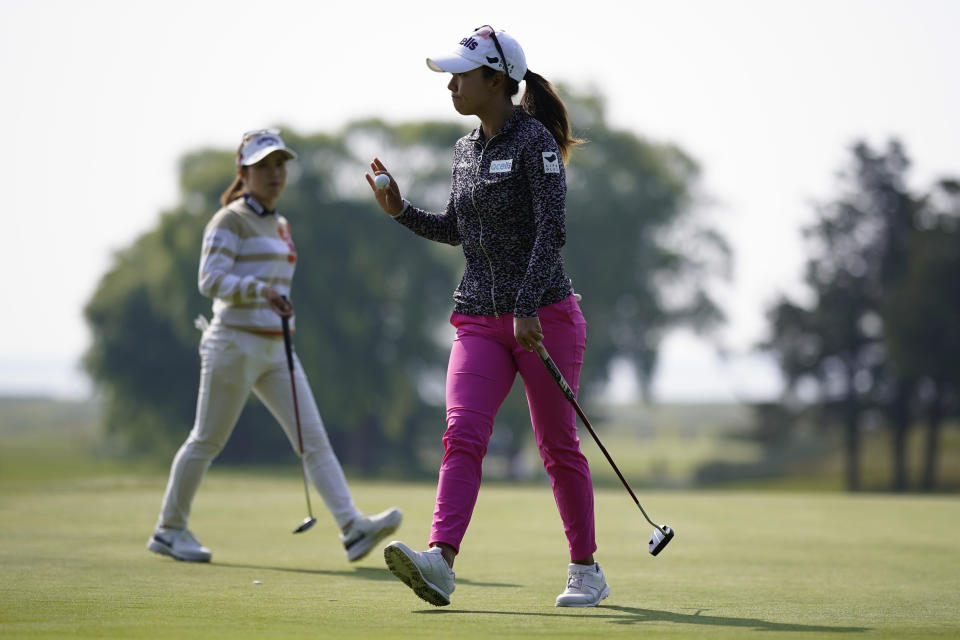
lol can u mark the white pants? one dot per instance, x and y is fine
(232, 363)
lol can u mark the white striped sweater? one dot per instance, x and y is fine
(242, 254)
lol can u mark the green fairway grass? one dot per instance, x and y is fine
(742, 565)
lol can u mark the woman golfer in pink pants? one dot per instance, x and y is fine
(506, 209)
(247, 266)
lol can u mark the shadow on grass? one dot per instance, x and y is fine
(363, 573)
(632, 615)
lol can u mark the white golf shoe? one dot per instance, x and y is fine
(586, 586)
(179, 544)
(426, 572)
(367, 531)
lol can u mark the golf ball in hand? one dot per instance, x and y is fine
(382, 181)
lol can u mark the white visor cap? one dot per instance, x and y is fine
(260, 145)
(479, 50)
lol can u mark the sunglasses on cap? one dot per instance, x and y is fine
(273, 131)
(486, 31)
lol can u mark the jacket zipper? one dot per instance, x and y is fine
(473, 188)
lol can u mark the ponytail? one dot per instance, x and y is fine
(233, 192)
(541, 101)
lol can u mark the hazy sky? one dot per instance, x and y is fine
(101, 98)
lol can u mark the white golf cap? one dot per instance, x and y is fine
(479, 49)
(260, 144)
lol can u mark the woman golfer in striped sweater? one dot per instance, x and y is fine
(246, 266)
(506, 209)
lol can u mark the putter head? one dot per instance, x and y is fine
(659, 539)
(306, 524)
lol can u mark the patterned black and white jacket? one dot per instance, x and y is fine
(506, 209)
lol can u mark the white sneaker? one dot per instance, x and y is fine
(366, 532)
(179, 544)
(426, 572)
(586, 586)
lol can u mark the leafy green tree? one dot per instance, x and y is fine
(829, 347)
(890, 212)
(637, 249)
(366, 317)
(863, 247)
(143, 355)
(922, 317)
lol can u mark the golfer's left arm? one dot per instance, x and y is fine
(548, 189)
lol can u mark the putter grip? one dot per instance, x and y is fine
(287, 343)
(555, 372)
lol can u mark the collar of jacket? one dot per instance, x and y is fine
(256, 207)
(518, 114)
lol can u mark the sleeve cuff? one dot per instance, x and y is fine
(406, 205)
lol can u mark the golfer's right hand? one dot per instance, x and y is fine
(389, 199)
(279, 303)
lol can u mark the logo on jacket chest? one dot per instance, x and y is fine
(501, 166)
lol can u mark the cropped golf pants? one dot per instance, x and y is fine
(233, 363)
(484, 361)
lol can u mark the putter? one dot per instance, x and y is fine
(309, 521)
(662, 534)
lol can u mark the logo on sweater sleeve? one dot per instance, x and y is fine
(283, 230)
(551, 162)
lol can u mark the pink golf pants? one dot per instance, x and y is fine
(484, 361)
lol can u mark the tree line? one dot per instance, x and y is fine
(878, 341)
(373, 300)
(874, 340)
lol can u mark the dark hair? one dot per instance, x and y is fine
(541, 101)
(235, 190)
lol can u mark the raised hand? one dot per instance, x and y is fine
(389, 197)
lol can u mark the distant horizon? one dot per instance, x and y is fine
(42, 397)
(702, 379)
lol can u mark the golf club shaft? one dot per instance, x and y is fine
(288, 346)
(568, 392)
